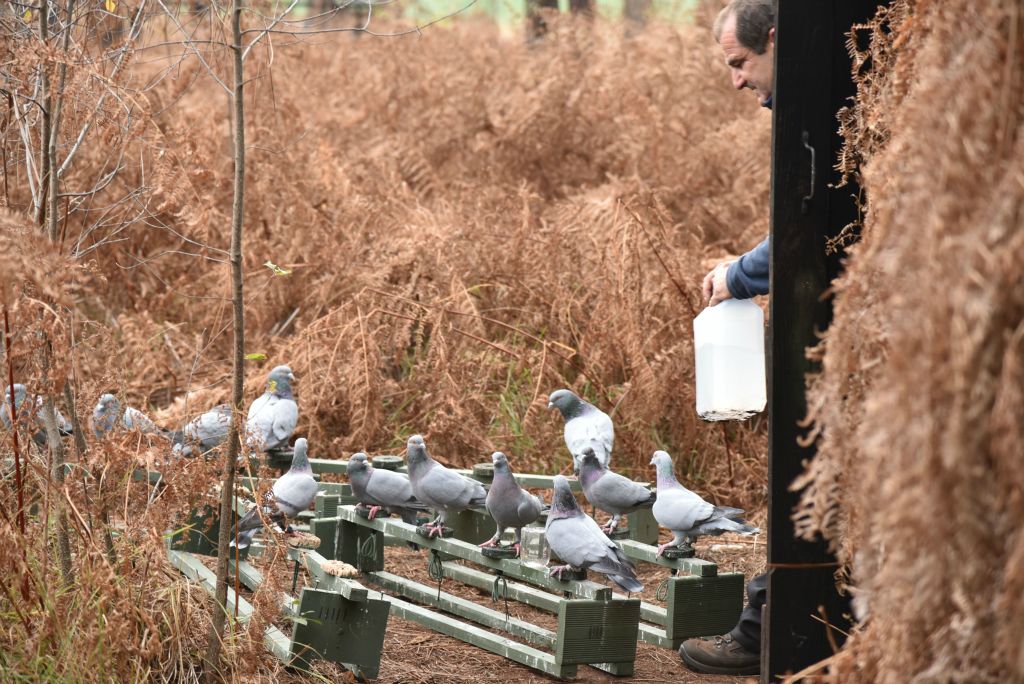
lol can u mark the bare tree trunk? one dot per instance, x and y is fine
(47, 214)
(57, 473)
(220, 608)
(536, 24)
(44, 136)
(54, 107)
(635, 13)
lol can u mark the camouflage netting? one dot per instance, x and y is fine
(918, 482)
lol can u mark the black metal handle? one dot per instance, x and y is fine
(814, 172)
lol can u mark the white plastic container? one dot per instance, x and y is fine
(728, 340)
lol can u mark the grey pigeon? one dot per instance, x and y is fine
(687, 515)
(576, 539)
(291, 494)
(509, 504)
(204, 432)
(273, 416)
(586, 427)
(382, 489)
(438, 487)
(20, 394)
(107, 417)
(611, 492)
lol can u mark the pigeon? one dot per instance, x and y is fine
(586, 427)
(20, 393)
(440, 488)
(382, 489)
(575, 538)
(204, 432)
(273, 416)
(687, 515)
(291, 494)
(509, 504)
(611, 492)
(107, 416)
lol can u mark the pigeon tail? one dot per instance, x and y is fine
(720, 525)
(729, 512)
(630, 584)
(244, 539)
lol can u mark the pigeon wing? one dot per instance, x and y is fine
(390, 489)
(294, 492)
(616, 494)
(286, 417)
(681, 509)
(443, 488)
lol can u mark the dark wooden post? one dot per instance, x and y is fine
(812, 81)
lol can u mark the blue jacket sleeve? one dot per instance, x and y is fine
(748, 275)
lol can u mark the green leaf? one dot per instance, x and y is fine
(277, 270)
(256, 356)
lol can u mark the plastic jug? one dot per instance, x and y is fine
(728, 341)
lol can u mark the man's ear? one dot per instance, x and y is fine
(771, 37)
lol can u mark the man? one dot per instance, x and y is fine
(745, 30)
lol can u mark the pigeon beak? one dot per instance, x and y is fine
(550, 405)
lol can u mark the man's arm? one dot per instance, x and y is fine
(742, 279)
(748, 275)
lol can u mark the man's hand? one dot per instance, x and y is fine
(715, 288)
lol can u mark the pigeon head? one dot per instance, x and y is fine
(662, 463)
(299, 459)
(19, 394)
(108, 403)
(280, 381)
(500, 462)
(567, 403)
(19, 398)
(106, 412)
(357, 464)
(416, 451)
(563, 503)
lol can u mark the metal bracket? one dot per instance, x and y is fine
(806, 137)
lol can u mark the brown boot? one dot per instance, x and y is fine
(719, 655)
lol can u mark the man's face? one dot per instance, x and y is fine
(747, 68)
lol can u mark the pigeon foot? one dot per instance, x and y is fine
(557, 570)
(493, 541)
(374, 510)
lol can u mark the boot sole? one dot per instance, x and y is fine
(704, 668)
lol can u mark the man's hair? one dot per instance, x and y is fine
(754, 19)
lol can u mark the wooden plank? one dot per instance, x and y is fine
(523, 593)
(471, 634)
(471, 552)
(649, 554)
(537, 598)
(463, 608)
(314, 562)
(190, 566)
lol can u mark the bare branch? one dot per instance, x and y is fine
(133, 33)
